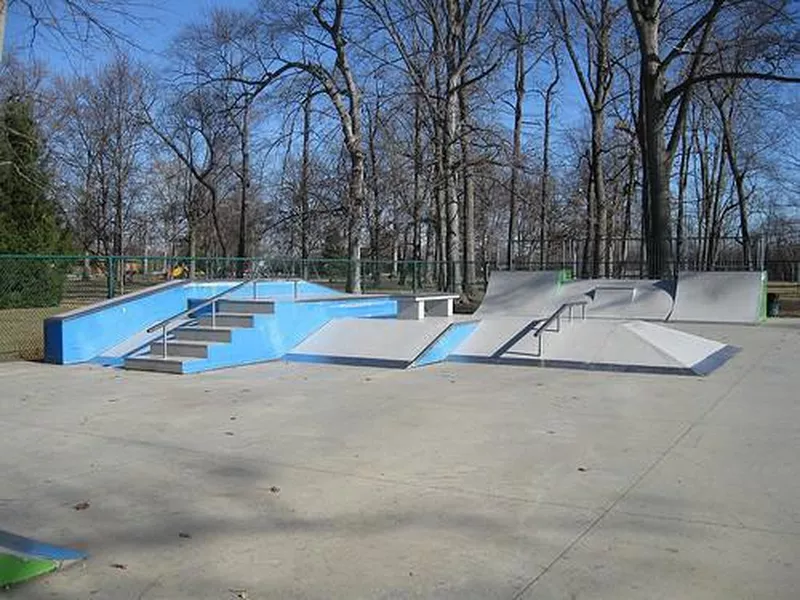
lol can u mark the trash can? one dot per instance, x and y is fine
(773, 305)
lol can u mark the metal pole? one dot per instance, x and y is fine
(295, 290)
(213, 314)
(164, 341)
(110, 267)
(255, 293)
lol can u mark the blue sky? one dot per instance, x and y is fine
(157, 23)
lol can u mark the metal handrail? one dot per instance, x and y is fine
(556, 316)
(212, 301)
(538, 327)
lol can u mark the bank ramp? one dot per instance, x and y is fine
(721, 297)
(388, 343)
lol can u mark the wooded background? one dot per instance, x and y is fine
(424, 130)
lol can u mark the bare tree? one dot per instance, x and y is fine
(545, 184)
(100, 141)
(693, 26)
(522, 24)
(592, 21)
(75, 22)
(192, 129)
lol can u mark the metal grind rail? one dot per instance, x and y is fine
(538, 327)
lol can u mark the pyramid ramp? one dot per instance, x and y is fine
(597, 344)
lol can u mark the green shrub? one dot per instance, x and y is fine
(28, 283)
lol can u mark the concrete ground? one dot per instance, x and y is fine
(453, 481)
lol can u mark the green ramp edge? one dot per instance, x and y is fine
(14, 569)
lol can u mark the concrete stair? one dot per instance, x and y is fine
(246, 307)
(181, 348)
(197, 333)
(227, 320)
(193, 342)
(155, 363)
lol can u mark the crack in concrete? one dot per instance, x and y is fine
(589, 528)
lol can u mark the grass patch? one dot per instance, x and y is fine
(21, 333)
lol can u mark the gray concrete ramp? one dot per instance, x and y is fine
(720, 297)
(519, 293)
(389, 343)
(597, 344)
(539, 293)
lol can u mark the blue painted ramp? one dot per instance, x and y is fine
(27, 547)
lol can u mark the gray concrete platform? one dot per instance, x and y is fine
(392, 343)
(456, 481)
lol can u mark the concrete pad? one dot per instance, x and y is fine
(632, 557)
(691, 485)
(320, 535)
(455, 481)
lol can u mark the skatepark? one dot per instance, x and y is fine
(528, 318)
(571, 439)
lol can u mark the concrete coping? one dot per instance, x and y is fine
(125, 298)
(340, 298)
(426, 297)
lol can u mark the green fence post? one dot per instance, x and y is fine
(110, 266)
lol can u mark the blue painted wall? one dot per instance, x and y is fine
(446, 344)
(84, 334)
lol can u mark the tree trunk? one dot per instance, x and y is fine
(587, 246)
(652, 122)
(440, 198)
(628, 190)
(376, 200)
(716, 214)
(453, 216)
(417, 208)
(305, 175)
(598, 212)
(354, 214)
(241, 249)
(516, 159)
(741, 194)
(544, 204)
(682, 182)
(469, 197)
